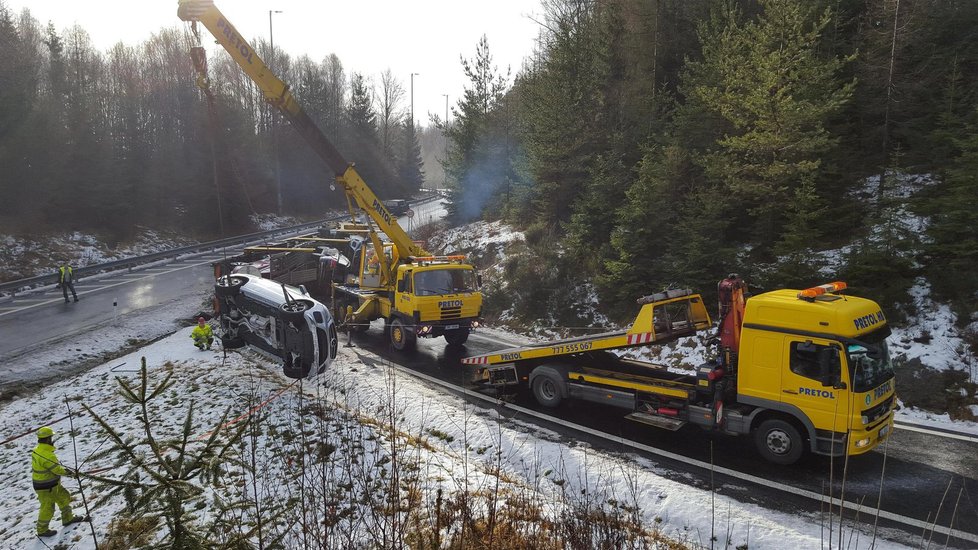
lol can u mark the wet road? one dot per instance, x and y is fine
(924, 476)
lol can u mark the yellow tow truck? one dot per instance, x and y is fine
(799, 370)
(417, 293)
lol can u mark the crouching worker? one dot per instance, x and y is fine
(46, 473)
(202, 334)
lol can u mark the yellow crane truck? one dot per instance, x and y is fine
(799, 370)
(395, 279)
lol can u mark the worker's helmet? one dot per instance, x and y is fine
(45, 432)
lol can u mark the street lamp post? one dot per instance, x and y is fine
(278, 172)
(412, 97)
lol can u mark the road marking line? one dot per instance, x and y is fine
(126, 282)
(940, 433)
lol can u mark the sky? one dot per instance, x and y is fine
(369, 36)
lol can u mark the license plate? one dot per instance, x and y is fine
(451, 327)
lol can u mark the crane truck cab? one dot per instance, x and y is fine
(278, 319)
(798, 370)
(431, 296)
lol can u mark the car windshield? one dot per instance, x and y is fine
(869, 363)
(436, 282)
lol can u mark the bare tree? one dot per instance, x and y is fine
(391, 95)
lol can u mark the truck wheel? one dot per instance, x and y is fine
(229, 285)
(402, 338)
(457, 337)
(547, 389)
(779, 441)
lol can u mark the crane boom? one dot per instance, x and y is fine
(277, 93)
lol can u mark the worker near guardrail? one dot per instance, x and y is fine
(46, 472)
(66, 281)
(203, 335)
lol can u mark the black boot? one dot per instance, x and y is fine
(76, 519)
(48, 533)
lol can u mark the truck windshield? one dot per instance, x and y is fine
(436, 282)
(869, 362)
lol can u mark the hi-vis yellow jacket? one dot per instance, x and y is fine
(46, 471)
(201, 333)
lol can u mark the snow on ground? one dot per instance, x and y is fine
(464, 445)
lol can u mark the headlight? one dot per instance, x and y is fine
(863, 442)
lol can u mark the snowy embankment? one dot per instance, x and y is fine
(445, 447)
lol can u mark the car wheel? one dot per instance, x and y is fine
(232, 343)
(229, 285)
(294, 311)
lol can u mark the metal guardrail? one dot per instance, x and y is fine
(11, 287)
(129, 263)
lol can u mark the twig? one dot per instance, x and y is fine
(81, 489)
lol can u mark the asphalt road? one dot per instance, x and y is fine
(925, 476)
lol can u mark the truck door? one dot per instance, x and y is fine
(404, 297)
(814, 382)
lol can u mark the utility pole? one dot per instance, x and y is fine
(271, 120)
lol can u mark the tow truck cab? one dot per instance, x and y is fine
(823, 360)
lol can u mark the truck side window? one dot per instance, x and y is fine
(804, 360)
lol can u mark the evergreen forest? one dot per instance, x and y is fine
(667, 143)
(643, 144)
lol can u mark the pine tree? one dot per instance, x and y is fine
(168, 480)
(952, 254)
(767, 79)
(473, 164)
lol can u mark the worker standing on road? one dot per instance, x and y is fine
(203, 335)
(46, 474)
(66, 281)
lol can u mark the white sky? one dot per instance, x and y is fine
(369, 36)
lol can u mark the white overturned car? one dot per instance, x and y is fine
(280, 319)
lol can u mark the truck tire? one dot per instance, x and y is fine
(778, 441)
(401, 337)
(457, 337)
(548, 389)
(229, 285)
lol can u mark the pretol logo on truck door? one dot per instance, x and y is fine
(816, 393)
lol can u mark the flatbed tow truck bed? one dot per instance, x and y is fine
(663, 317)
